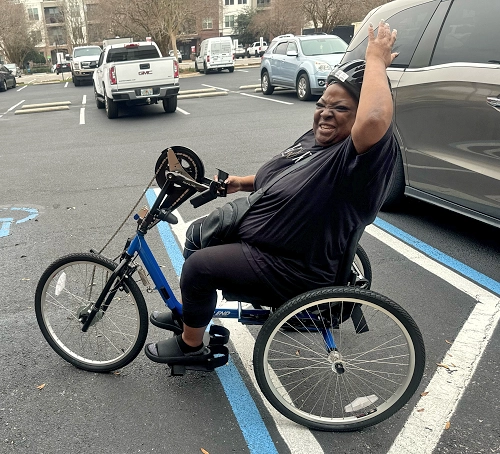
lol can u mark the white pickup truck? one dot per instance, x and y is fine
(135, 73)
(256, 50)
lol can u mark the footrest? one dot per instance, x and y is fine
(218, 335)
(218, 358)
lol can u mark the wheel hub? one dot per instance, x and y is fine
(335, 358)
(83, 312)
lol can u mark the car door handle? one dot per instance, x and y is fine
(494, 102)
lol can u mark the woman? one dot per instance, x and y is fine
(293, 239)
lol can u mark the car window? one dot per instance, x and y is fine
(281, 48)
(463, 37)
(292, 47)
(410, 24)
(323, 46)
(86, 51)
(132, 53)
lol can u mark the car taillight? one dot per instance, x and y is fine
(176, 69)
(112, 75)
(208, 58)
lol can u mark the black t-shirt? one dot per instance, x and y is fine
(295, 235)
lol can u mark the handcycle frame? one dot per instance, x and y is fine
(138, 245)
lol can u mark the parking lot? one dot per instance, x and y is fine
(69, 179)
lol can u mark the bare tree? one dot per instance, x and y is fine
(162, 20)
(283, 16)
(74, 19)
(16, 36)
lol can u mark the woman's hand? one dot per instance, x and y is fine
(235, 183)
(380, 46)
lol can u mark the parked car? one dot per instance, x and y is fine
(63, 67)
(83, 63)
(215, 54)
(16, 70)
(446, 84)
(240, 51)
(132, 74)
(256, 50)
(300, 62)
(179, 55)
(7, 79)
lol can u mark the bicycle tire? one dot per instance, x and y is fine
(67, 288)
(346, 389)
(362, 261)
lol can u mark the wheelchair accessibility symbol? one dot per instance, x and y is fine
(7, 222)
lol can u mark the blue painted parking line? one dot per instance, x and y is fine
(244, 408)
(464, 270)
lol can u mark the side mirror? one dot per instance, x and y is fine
(292, 53)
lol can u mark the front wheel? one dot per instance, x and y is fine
(231, 69)
(265, 84)
(339, 358)
(303, 88)
(66, 291)
(170, 104)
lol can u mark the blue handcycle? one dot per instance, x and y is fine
(339, 358)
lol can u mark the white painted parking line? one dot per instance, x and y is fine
(22, 88)
(267, 99)
(182, 111)
(242, 70)
(299, 439)
(13, 107)
(423, 429)
(66, 84)
(217, 88)
(82, 115)
(84, 100)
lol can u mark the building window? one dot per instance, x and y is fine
(33, 13)
(207, 24)
(263, 2)
(228, 21)
(37, 35)
(229, 2)
(242, 2)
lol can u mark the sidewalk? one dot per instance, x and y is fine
(51, 78)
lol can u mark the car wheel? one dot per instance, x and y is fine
(205, 70)
(219, 70)
(3, 85)
(231, 69)
(303, 88)
(196, 67)
(76, 82)
(396, 189)
(111, 107)
(265, 84)
(14, 83)
(170, 104)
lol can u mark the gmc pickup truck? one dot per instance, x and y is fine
(135, 73)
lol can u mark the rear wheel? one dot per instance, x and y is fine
(205, 70)
(111, 107)
(67, 290)
(196, 67)
(303, 88)
(372, 368)
(265, 83)
(362, 265)
(3, 85)
(231, 69)
(170, 104)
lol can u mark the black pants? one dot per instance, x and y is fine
(225, 268)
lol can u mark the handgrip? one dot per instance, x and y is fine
(203, 198)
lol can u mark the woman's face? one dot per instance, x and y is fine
(334, 116)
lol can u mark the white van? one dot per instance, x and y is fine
(215, 54)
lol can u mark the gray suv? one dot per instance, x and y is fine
(446, 83)
(300, 62)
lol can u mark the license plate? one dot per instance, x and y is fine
(146, 92)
